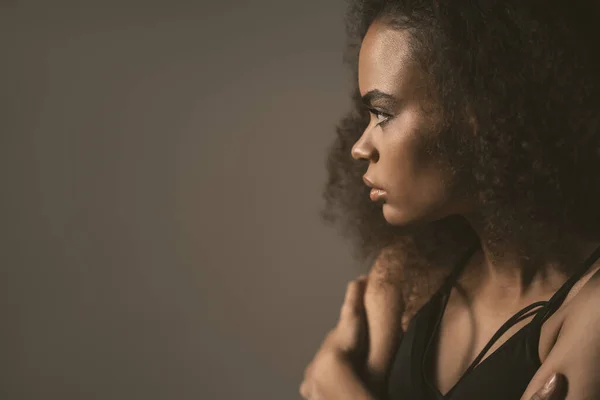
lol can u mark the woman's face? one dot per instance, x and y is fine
(417, 182)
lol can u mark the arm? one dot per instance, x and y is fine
(576, 353)
(332, 375)
(384, 306)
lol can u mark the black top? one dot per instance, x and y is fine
(503, 375)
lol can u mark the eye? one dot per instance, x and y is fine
(380, 116)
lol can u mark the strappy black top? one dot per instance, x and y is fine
(503, 375)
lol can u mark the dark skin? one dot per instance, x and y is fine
(416, 187)
(339, 369)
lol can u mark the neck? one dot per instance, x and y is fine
(510, 273)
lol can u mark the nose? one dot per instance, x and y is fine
(363, 149)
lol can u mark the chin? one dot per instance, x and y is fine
(403, 218)
(396, 217)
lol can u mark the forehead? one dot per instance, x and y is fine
(384, 59)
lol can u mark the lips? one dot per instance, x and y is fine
(377, 192)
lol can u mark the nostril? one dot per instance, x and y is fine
(375, 156)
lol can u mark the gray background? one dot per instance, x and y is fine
(161, 171)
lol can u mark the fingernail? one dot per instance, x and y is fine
(551, 382)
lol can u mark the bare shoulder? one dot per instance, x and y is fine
(583, 304)
(588, 285)
(579, 310)
(576, 349)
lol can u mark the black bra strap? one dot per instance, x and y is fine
(534, 308)
(559, 297)
(527, 311)
(529, 314)
(520, 315)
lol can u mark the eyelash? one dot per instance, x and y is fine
(377, 114)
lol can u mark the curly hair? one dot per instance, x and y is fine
(527, 72)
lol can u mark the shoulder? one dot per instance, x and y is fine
(581, 316)
(576, 350)
(585, 289)
(583, 307)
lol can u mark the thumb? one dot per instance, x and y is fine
(351, 327)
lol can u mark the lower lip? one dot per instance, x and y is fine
(377, 194)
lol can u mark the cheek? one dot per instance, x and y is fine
(416, 182)
(408, 138)
(407, 159)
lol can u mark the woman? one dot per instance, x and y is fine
(476, 132)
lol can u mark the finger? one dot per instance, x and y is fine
(555, 388)
(351, 327)
(384, 306)
(353, 300)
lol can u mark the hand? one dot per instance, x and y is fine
(332, 374)
(555, 388)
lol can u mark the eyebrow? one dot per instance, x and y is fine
(374, 95)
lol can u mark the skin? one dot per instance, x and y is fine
(401, 130)
(420, 187)
(334, 371)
